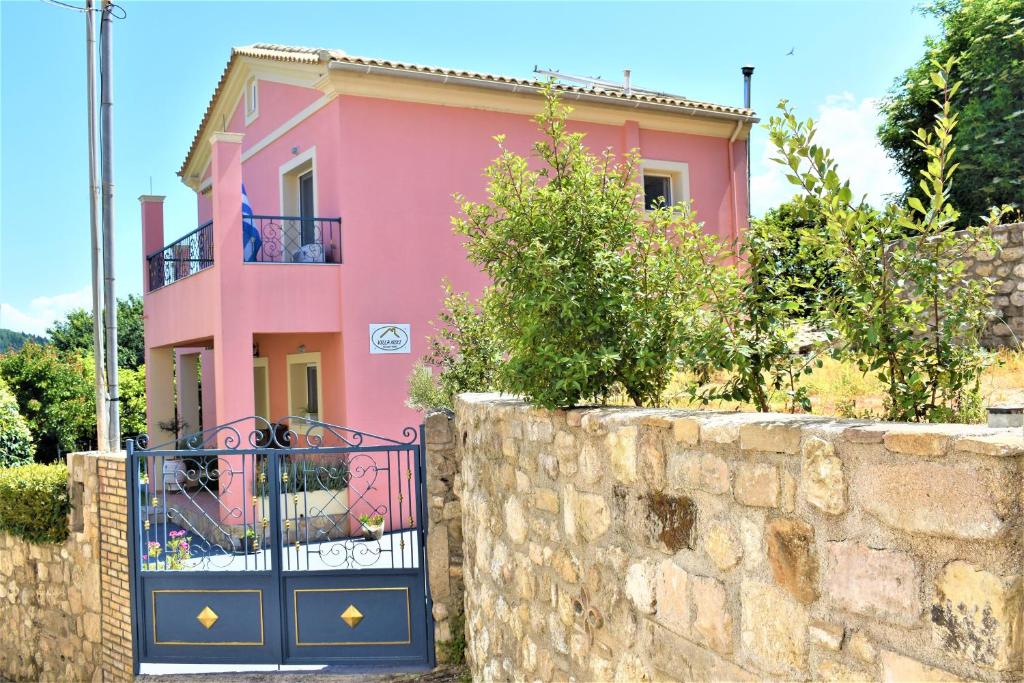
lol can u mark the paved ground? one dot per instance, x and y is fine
(439, 675)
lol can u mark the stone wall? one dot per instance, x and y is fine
(638, 545)
(444, 530)
(55, 609)
(1007, 268)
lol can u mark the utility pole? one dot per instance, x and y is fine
(107, 178)
(102, 407)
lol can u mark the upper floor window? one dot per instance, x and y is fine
(251, 99)
(665, 182)
(657, 190)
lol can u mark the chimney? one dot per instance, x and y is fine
(748, 71)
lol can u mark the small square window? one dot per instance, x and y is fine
(657, 187)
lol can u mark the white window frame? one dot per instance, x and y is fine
(252, 99)
(678, 173)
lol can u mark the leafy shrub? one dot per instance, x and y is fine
(590, 293)
(424, 392)
(745, 326)
(34, 502)
(909, 311)
(464, 350)
(16, 445)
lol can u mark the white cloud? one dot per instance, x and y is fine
(42, 311)
(847, 127)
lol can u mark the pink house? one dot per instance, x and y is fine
(349, 166)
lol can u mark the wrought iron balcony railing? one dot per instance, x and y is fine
(293, 239)
(183, 257)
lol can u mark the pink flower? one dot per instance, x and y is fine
(177, 534)
(184, 546)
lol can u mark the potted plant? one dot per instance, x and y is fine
(373, 526)
(249, 543)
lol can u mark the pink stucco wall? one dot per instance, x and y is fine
(388, 169)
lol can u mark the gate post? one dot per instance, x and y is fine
(115, 570)
(444, 541)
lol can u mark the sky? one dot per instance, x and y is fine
(168, 57)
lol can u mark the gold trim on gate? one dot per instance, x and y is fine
(408, 615)
(258, 591)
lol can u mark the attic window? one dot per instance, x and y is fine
(251, 99)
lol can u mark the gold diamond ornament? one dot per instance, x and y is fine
(351, 616)
(207, 617)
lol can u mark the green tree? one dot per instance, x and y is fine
(74, 333)
(132, 385)
(590, 294)
(54, 391)
(987, 39)
(909, 311)
(16, 445)
(786, 242)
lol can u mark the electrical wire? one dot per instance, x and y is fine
(116, 11)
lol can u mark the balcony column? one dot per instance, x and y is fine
(159, 405)
(232, 338)
(152, 230)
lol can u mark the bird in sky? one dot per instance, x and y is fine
(791, 52)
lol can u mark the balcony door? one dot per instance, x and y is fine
(306, 210)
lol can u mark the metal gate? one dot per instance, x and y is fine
(289, 542)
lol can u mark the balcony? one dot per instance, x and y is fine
(293, 239)
(183, 257)
(266, 239)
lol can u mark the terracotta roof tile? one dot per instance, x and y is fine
(309, 55)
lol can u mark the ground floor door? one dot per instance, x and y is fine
(291, 542)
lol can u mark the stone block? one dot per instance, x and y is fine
(686, 431)
(822, 480)
(640, 586)
(876, 583)
(899, 669)
(757, 485)
(933, 498)
(773, 629)
(515, 520)
(671, 587)
(1006, 444)
(722, 544)
(861, 647)
(925, 440)
(838, 672)
(713, 619)
(622, 449)
(792, 557)
(825, 635)
(777, 437)
(545, 499)
(977, 616)
(677, 659)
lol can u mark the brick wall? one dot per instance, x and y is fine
(444, 538)
(647, 545)
(64, 607)
(114, 568)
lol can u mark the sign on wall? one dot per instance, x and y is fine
(389, 338)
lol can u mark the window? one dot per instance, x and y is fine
(251, 100)
(668, 179)
(657, 190)
(312, 391)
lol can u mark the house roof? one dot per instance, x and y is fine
(309, 55)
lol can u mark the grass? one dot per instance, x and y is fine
(839, 389)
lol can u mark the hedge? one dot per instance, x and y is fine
(34, 502)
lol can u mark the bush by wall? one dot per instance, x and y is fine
(16, 445)
(34, 502)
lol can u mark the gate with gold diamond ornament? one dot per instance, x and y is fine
(293, 542)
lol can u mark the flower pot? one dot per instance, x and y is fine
(372, 532)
